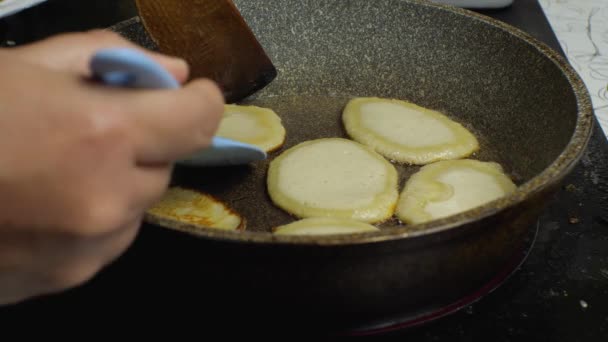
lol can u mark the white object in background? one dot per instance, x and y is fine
(582, 29)
(8, 7)
(476, 3)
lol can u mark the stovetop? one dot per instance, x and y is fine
(560, 293)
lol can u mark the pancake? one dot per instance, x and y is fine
(450, 187)
(181, 206)
(324, 226)
(334, 177)
(405, 132)
(254, 125)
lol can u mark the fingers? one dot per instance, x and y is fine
(168, 125)
(73, 52)
(61, 262)
(85, 259)
(176, 66)
(118, 244)
(172, 124)
(149, 185)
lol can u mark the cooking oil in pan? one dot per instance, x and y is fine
(305, 118)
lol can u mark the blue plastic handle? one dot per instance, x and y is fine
(126, 67)
(123, 67)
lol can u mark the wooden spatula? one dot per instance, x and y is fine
(213, 37)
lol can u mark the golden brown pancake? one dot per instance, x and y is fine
(258, 126)
(334, 177)
(450, 187)
(181, 206)
(324, 226)
(405, 132)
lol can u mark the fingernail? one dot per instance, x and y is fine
(179, 61)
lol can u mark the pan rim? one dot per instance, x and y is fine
(550, 176)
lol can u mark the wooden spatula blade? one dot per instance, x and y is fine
(213, 37)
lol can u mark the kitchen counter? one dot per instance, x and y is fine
(581, 27)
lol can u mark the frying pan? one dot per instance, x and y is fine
(529, 109)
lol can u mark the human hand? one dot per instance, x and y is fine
(80, 162)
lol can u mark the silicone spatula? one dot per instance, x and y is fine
(126, 67)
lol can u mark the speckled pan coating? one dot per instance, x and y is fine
(529, 108)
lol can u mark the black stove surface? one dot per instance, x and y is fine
(560, 293)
